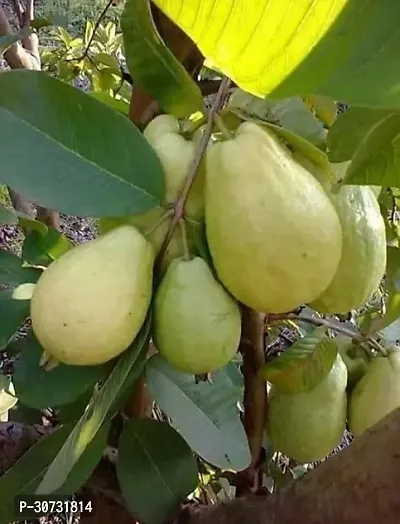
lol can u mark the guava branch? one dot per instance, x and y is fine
(354, 335)
(255, 396)
(179, 208)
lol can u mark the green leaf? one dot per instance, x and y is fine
(86, 463)
(304, 365)
(376, 159)
(12, 271)
(302, 146)
(55, 19)
(156, 470)
(13, 312)
(96, 163)
(284, 48)
(153, 66)
(41, 249)
(114, 103)
(197, 233)
(24, 476)
(290, 113)
(350, 129)
(63, 384)
(393, 268)
(324, 108)
(205, 414)
(108, 60)
(74, 410)
(90, 422)
(8, 216)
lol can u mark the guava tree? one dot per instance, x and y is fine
(235, 321)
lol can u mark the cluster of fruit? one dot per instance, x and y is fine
(281, 233)
(309, 426)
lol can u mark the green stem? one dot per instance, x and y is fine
(168, 213)
(186, 251)
(225, 132)
(331, 325)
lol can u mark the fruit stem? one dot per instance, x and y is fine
(225, 132)
(168, 213)
(179, 208)
(186, 251)
(331, 325)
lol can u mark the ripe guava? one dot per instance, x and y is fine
(88, 306)
(274, 235)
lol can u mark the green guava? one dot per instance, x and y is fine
(197, 324)
(377, 393)
(308, 426)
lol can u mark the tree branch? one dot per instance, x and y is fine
(255, 396)
(179, 208)
(359, 485)
(331, 325)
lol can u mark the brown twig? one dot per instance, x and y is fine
(179, 208)
(255, 396)
(331, 325)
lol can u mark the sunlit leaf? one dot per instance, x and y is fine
(346, 50)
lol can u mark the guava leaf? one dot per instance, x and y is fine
(204, 413)
(377, 157)
(154, 464)
(283, 48)
(42, 248)
(13, 272)
(304, 365)
(91, 421)
(24, 476)
(114, 103)
(290, 113)
(12, 313)
(153, 66)
(8, 216)
(41, 389)
(350, 129)
(325, 108)
(96, 163)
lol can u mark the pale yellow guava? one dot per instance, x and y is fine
(273, 233)
(88, 305)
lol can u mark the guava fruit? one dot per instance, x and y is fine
(197, 324)
(146, 222)
(377, 394)
(356, 361)
(363, 260)
(176, 154)
(88, 305)
(308, 426)
(274, 235)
